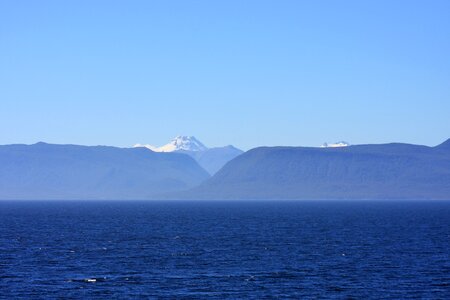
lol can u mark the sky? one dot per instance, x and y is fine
(247, 73)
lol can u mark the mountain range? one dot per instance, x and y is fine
(385, 171)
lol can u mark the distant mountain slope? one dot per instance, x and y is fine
(390, 171)
(211, 159)
(45, 171)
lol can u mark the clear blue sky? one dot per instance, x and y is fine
(247, 73)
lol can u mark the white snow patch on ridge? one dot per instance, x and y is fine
(335, 145)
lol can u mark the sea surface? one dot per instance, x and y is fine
(224, 250)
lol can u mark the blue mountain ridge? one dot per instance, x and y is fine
(385, 171)
(47, 171)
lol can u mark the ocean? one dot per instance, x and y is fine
(224, 249)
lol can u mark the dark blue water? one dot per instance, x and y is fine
(90, 250)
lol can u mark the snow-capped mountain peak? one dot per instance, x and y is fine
(179, 143)
(186, 143)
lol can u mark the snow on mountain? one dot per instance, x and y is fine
(335, 145)
(179, 143)
(210, 159)
(151, 147)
